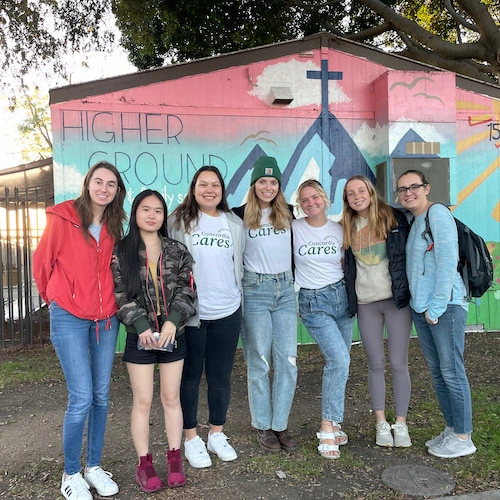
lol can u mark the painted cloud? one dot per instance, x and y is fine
(293, 74)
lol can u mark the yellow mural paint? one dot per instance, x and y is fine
(467, 191)
(496, 212)
(472, 141)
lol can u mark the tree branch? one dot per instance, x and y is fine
(463, 67)
(331, 28)
(370, 32)
(485, 23)
(458, 18)
(473, 50)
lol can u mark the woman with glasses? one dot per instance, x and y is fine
(323, 307)
(439, 312)
(375, 269)
(72, 269)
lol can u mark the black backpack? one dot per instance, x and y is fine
(474, 259)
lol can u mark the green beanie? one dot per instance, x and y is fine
(265, 166)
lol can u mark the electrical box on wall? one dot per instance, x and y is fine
(436, 170)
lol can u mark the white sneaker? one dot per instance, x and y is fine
(196, 453)
(101, 481)
(74, 487)
(217, 443)
(401, 435)
(384, 435)
(439, 439)
(453, 447)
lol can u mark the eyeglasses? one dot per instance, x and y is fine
(413, 188)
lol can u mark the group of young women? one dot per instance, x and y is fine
(185, 286)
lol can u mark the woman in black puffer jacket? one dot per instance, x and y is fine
(375, 272)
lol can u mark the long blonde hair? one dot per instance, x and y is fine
(280, 217)
(381, 219)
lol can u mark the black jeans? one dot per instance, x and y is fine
(212, 345)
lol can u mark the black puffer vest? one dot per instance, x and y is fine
(396, 242)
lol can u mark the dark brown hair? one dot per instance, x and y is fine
(188, 211)
(114, 215)
(425, 182)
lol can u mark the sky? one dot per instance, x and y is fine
(100, 65)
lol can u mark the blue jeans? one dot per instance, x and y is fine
(213, 346)
(325, 314)
(443, 348)
(270, 327)
(87, 369)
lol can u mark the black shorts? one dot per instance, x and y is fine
(134, 355)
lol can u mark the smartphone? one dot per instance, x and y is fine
(168, 348)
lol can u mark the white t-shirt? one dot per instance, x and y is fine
(218, 292)
(267, 250)
(317, 254)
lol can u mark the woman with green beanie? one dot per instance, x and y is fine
(269, 333)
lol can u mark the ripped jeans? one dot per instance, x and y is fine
(270, 333)
(325, 314)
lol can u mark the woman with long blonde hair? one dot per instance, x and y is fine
(269, 333)
(374, 241)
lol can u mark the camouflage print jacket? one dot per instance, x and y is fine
(175, 286)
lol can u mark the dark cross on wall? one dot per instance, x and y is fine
(324, 75)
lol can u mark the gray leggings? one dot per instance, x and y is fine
(371, 319)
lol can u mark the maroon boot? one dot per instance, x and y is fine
(145, 475)
(175, 470)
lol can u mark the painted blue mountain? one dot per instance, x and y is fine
(400, 149)
(341, 159)
(336, 155)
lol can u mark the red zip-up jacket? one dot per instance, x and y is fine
(73, 271)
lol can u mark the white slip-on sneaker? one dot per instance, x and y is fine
(439, 439)
(453, 447)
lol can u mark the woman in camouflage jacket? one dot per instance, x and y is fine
(155, 293)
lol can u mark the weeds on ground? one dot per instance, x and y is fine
(29, 365)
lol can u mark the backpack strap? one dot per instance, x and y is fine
(427, 230)
(464, 273)
(465, 267)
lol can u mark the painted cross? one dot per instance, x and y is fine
(324, 75)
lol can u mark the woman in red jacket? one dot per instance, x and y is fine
(73, 274)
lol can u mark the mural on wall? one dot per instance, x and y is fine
(346, 115)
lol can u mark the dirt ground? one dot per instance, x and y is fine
(31, 418)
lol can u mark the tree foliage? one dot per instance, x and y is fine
(36, 34)
(459, 35)
(34, 129)
(179, 30)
